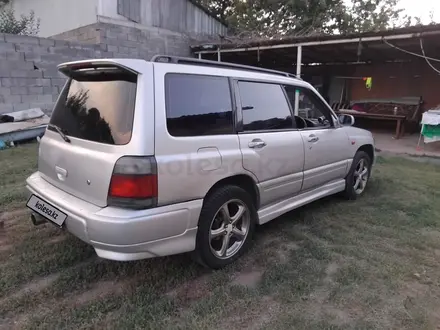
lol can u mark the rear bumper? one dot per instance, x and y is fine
(120, 234)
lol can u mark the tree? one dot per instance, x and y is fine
(269, 17)
(370, 15)
(9, 23)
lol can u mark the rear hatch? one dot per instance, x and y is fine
(91, 127)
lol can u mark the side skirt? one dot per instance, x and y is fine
(273, 211)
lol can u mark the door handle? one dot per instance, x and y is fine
(257, 144)
(313, 138)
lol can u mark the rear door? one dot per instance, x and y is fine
(271, 145)
(96, 112)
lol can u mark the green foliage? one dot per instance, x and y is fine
(372, 15)
(9, 23)
(270, 17)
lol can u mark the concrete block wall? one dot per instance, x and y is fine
(126, 41)
(28, 74)
(28, 65)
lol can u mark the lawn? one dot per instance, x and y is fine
(369, 264)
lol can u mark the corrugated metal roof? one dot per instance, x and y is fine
(197, 4)
(322, 37)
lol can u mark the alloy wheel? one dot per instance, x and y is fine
(229, 229)
(361, 175)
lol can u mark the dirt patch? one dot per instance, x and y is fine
(100, 290)
(279, 251)
(33, 287)
(13, 215)
(253, 317)
(415, 288)
(337, 316)
(191, 290)
(4, 247)
(249, 279)
(431, 233)
(321, 294)
(56, 239)
(3, 239)
(285, 250)
(330, 271)
(40, 284)
(318, 307)
(12, 219)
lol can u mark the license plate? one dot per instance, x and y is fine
(46, 210)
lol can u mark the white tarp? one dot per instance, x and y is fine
(22, 125)
(26, 120)
(431, 118)
(26, 114)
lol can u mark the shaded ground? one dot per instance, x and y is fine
(369, 264)
(407, 144)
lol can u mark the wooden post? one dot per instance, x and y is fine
(399, 124)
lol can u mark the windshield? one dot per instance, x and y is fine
(97, 105)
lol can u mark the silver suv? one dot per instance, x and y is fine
(145, 159)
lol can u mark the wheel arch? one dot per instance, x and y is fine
(243, 181)
(369, 149)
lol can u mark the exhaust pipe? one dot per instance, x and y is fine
(37, 219)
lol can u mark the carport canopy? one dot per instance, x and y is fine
(384, 46)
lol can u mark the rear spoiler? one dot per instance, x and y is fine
(70, 68)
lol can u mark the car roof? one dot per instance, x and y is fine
(203, 67)
(231, 73)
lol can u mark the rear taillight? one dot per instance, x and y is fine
(134, 183)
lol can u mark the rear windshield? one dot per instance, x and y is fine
(97, 105)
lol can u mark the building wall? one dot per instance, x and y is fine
(88, 29)
(175, 15)
(127, 39)
(398, 80)
(57, 16)
(28, 65)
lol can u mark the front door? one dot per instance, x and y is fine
(326, 145)
(326, 156)
(271, 146)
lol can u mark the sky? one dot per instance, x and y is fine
(422, 8)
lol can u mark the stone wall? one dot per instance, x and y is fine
(28, 73)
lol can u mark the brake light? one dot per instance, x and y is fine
(133, 186)
(134, 183)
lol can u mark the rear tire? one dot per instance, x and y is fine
(226, 227)
(357, 179)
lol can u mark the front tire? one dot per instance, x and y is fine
(357, 179)
(226, 227)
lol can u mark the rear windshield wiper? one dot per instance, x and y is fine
(60, 132)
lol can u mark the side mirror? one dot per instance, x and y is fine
(346, 120)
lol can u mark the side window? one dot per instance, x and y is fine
(311, 111)
(264, 107)
(198, 105)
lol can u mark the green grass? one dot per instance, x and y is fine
(334, 264)
(15, 165)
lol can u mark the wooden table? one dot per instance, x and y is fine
(400, 126)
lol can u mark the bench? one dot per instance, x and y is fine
(401, 110)
(400, 120)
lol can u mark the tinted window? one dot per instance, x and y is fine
(264, 107)
(98, 106)
(198, 105)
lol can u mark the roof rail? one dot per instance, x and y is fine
(226, 65)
